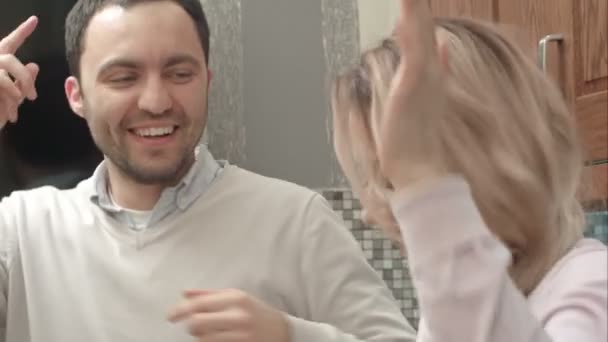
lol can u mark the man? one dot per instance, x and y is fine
(164, 243)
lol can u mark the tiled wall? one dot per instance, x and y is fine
(386, 258)
(597, 226)
(380, 252)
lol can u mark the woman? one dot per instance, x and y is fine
(461, 149)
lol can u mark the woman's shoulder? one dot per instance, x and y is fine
(581, 273)
(588, 258)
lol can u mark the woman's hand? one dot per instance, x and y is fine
(417, 96)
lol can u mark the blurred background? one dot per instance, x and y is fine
(49, 144)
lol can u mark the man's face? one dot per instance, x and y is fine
(143, 89)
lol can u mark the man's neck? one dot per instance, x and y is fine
(130, 194)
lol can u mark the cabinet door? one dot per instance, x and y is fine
(578, 63)
(482, 9)
(590, 34)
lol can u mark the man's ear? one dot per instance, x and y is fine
(73, 92)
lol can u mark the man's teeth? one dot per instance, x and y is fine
(154, 132)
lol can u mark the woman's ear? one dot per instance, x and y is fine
(443, 53)
(444, 56)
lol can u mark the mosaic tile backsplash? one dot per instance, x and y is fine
(386, 258)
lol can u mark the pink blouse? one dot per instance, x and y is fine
(459, 270)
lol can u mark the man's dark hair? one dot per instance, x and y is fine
(83, 11)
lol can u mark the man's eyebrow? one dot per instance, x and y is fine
(119, 63)
(181, 59)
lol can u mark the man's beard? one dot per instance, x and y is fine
(142, 175)
(137, 170)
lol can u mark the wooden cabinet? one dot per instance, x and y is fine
(578, 62)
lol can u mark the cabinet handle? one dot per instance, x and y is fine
(542, 48)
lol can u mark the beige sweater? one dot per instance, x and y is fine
(70, 273)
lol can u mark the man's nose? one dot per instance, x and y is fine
(155, 98)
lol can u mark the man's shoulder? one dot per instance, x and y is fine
(262, 199)
(44, 198)
(246, 191)
(255, 184)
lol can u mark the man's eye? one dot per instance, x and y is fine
(122, 79)
(181, 76)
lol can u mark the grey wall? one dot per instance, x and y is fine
(226, 132)
(341, 49)
(273, 60)
(285, 109)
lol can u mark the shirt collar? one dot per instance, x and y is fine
(192, 185)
